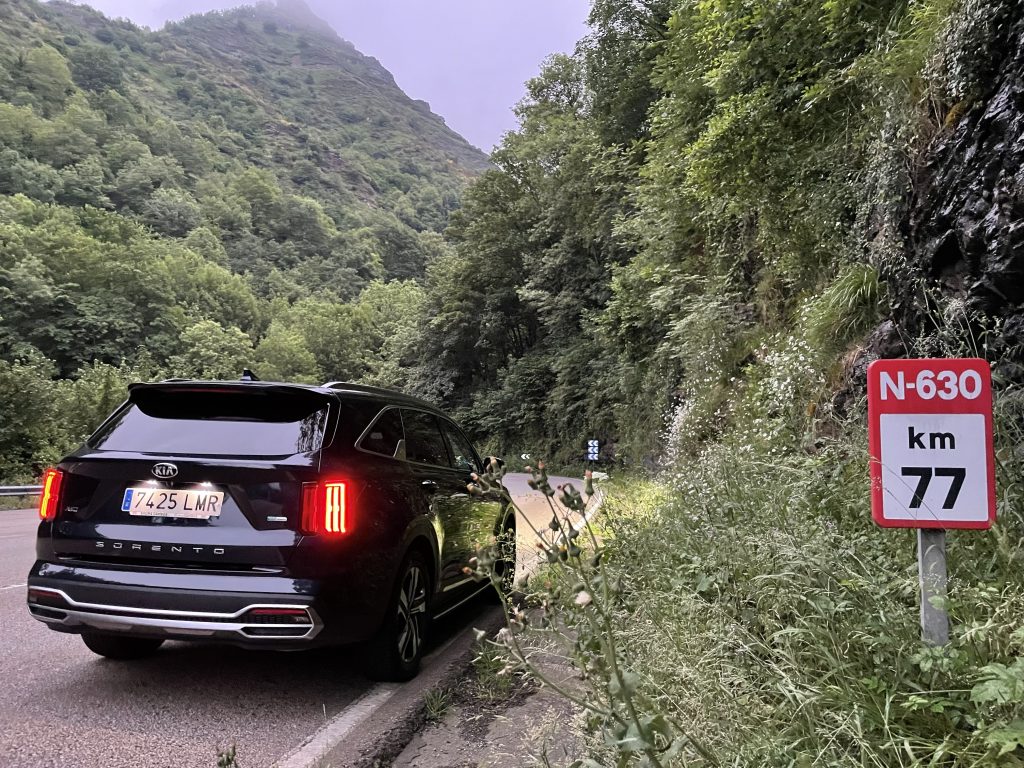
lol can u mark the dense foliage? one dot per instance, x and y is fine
(697, 205)
(237, 189)
(700, 233)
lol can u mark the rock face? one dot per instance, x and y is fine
(966, 220)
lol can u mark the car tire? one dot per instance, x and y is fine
(505, 565)
(120, 647)
(395, 652)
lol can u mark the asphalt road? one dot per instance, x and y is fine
(60, 705)
(534, 514)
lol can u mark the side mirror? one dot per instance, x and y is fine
(497, 459)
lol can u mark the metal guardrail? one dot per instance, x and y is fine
(20, 490)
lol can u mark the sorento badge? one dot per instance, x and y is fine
(164, 470)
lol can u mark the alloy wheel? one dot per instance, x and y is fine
(412, 613)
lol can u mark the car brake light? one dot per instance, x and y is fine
(324, 508)
(50, 497)
(334, 508)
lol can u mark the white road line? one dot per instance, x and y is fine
(309, 753)
(324, 740)
(12, 586)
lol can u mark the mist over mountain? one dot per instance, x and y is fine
(469, 59)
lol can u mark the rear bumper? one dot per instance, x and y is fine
(252, 611)
(255, 624)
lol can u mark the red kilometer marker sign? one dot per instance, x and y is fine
(930, 436)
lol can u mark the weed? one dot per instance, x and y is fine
(436, 704)
(745, 611)
(227, 757)
(617, 708)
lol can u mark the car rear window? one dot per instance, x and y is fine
(423, 441)
(216, 423)
(463, 453)
(383, 437)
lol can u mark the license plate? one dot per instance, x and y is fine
(161, 502)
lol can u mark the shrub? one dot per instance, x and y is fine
(756, 616)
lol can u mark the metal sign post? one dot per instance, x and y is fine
(931, 568)
(932, 464)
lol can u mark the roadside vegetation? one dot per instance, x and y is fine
(707, 223)
(744, 610)
(753, 196)
(757, 616)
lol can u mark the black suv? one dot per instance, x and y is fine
(265, 515)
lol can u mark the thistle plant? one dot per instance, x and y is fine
(576, 607)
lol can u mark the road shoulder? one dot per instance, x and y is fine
(518, 725)
(383, 732)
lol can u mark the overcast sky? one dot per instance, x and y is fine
(468, 58)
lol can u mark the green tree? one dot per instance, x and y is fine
(20, 175)
(95, 68)
(83, 402)
(394, 318)
(172, 212)
(203, 241)
(44, 73)
(27, 426)
(139, 179)
(339, 336)
(282, 355)
(211, 291)
(211, 351)
(84, 183)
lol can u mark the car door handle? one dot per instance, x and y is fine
(429, 486)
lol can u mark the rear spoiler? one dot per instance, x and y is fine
(189, 385)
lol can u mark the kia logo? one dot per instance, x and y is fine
(164, 470)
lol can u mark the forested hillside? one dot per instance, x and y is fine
(705, 212)
(714, 216)
(239, 188)
(709, 207)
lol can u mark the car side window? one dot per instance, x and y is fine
(463, 455)
(383, 437)
(424, 443)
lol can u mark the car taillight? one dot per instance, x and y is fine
(324, 508)
(50, 497)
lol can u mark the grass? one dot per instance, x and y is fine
(759, 611)
(437, 703)
(18, 502)
(492, 681)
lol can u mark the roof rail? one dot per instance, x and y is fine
(362, 388)
(370, 390)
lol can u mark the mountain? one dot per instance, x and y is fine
(259, 125)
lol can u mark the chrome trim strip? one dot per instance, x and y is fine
(458, 584)
(160, 611)
(440, 417)
(186, 622)
(462, 602)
